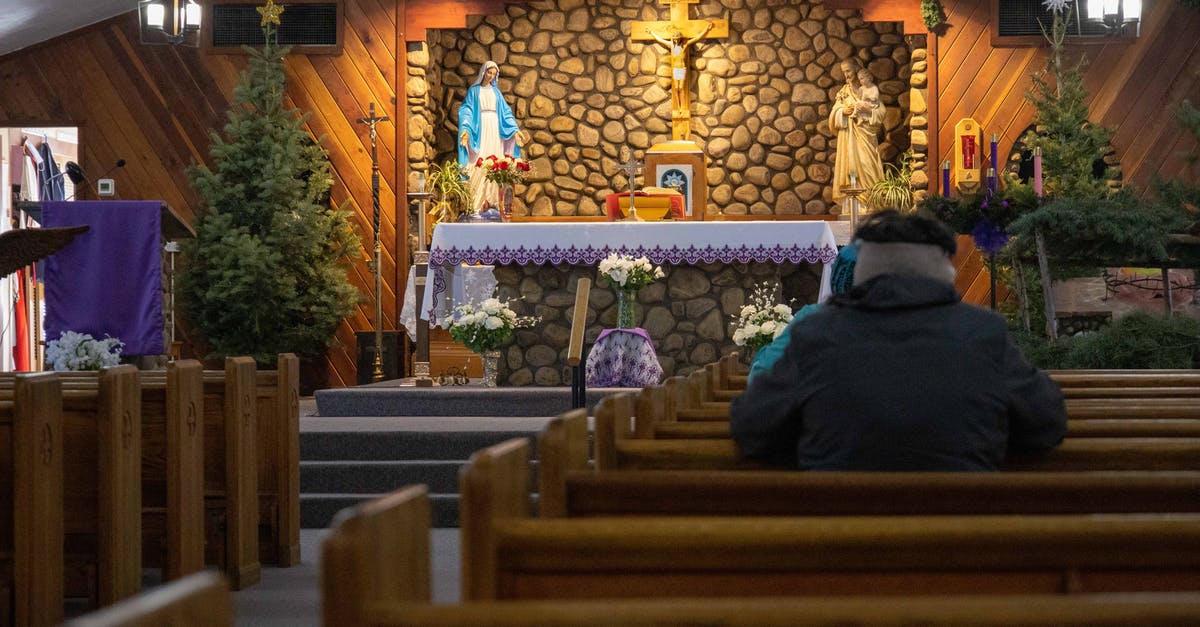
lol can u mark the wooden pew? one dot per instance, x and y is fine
(230, 455)
(198, 599)
(101, 486)
(375, 572)
(31, 502)
(173, 466)
(616, 447)
(506, 554)
(1099, 428)
(276, 438)
(568, 486)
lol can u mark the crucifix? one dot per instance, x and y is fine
(679, 34)
(372, 120)
(630, 168)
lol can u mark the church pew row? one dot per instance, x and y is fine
(507, 554)
(198, 599)
(101, 486)
(568, 486)
(172, 466)
(1101, 428)
(276, 438)
(225, 433)
(617, 447)
(31, 502)
(375, 572)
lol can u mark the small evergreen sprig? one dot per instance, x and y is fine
(931, 14)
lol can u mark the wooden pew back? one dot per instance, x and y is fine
(378, 552)
(509, 555)
(31, 502)
(198, 599)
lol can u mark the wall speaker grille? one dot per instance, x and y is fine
(307, 24)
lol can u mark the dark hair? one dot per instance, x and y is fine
(892, 226)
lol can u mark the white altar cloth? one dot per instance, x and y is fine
(586, 243)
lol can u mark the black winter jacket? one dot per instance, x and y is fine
(898, 375)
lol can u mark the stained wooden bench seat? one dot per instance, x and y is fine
(1074, 454)
(198, 599)
(1125, 378)
(1100, 428)
(569, 486)
(506, 554)
(375, 572)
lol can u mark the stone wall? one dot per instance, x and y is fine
(584, 92)
(688, 314)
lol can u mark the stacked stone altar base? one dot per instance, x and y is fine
(689, 314)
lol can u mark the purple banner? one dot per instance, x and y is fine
(108, 281)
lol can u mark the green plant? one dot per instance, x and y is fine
(451, 190)
(1139, 340)
(266, 272)
(931, 14)
(1120, 230)
(894, 190)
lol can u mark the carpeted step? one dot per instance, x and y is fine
(400, 445)
(377, 477)
(317, 511)
(390, 399)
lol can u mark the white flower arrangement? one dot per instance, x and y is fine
(625, 273)
(761, 321)
(486, 326)
(80, 351)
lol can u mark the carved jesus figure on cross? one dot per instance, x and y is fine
(679, 34)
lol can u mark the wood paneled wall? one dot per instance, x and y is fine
(154, 106)
(1133, 84)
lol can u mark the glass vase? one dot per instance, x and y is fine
(626, 308)
(491, 367)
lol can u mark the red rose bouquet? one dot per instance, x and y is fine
(503, 170)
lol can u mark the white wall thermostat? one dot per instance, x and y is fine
(106, 187)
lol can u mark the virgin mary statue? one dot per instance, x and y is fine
(486, 127)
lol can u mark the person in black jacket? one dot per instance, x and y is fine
(898, 374)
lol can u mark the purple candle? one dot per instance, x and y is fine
(993, 180)
(1037, 171)
(946, 178)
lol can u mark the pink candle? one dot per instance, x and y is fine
(1037, 171)
(946, 178)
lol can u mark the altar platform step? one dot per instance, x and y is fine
(345, 460)
(401, 398)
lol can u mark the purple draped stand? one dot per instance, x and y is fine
(623, 358)
(108, 282)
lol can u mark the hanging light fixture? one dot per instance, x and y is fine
(1119, 17)
(169, 22)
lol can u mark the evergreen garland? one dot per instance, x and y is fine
(266, 273)
(932, 15)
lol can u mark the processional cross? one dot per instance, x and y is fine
(630, 168)
(679, 34)
(372, 120)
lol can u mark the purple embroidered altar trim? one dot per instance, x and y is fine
(588, 255)
(441, 258)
